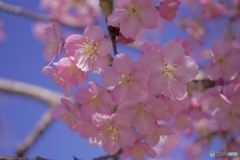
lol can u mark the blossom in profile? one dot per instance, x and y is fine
(133, 15)
(114, 131)
(224, 63)
(126, 79)
(69, 72)
(53, 72)
(67, 112)
(168, 9)
(94, 99)
(54, 42)
(91, 50)
(137, 151)
(170, 71)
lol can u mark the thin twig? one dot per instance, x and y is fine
(37, 131)
(31, 15)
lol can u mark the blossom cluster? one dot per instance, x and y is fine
(138, 102)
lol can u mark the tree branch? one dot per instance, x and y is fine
(38, 130)
(31, 15)
(49, 97)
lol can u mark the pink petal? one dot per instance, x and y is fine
(127, 137)
(188, 70)
(130, 27)
(149, 17)
(93, 32)
(104, 47)
(122, 63)
(144, 123)
(174, 90)
(173, 52)
(118, 16)
(213, 71)
(220, 48)
(111, 146)
(71, 43)
(110, 77)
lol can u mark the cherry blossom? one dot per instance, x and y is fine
(168, 9)
(53, 72)
(132, 15)
(91, 50)
(114, 131)
(94, 99)
(54, 42)
(69, 72)
(170, 72)
(224, 64)
(67, 112)
(127, 79)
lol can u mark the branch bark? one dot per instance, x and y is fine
(39, 93)
(36, 133)
(31, 15)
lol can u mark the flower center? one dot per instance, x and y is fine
(127, 80)
(221, 60)
(96, 100)
(169, 72)
(140, 109)
(171, 9)
(71, 117)
(112, 132)
(138, 151)
(133, 11)
(88, 48)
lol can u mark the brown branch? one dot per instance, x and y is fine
(31, 15)
(37, 131)
(47, 96)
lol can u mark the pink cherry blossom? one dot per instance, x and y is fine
(213, 98)
(67, 112)
(168, 9)
(69, 72)
(132, 15)
(54, 42)
(114, 131)
(170, 72)
(137, 151)
(91, 50)
(53, 72)
(154, 136)
(144, 113)
(127, 78)
(94, 99)
(225, 63)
